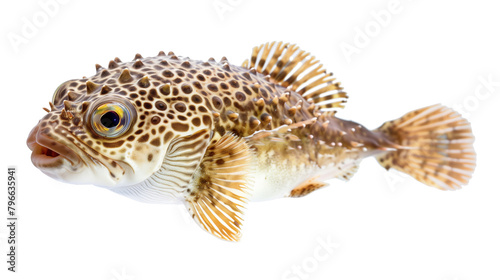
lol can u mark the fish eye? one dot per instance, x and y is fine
(111, 119)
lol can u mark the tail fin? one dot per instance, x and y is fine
(433, 145)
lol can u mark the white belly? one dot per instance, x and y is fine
(276, 179)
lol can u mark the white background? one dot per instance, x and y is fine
(386, 226)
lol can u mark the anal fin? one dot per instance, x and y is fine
(307, 187)
(220, 188)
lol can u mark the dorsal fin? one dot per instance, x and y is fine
(289, 66)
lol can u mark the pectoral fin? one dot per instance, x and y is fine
(220, 187)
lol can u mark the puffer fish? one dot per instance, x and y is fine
(215, 136)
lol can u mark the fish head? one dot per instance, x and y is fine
(109, 132)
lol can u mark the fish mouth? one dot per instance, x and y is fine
(48, 153)
(58, 153)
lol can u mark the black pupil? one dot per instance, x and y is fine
(110, 119)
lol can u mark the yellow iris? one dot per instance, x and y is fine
(111, 119)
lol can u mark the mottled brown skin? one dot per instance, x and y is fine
(214, 135)
(180, 94)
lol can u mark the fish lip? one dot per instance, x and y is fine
(49, 153)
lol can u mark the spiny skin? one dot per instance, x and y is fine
(214, 135)
(203, 92)
(180, 96)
